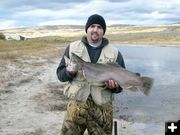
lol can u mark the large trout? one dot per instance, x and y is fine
(98, 74)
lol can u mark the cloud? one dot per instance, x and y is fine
(54, 12)
(61, 22)
(6, 24)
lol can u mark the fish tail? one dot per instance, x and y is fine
(147, 85)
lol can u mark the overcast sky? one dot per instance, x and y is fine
(28, 13)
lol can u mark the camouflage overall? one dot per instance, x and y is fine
(87, 115)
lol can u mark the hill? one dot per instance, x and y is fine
(131, 34)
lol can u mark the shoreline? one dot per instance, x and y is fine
(145, 44)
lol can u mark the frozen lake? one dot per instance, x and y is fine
(149, 113)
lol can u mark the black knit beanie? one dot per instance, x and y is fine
(96, 19)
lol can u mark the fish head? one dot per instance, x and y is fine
(73, 64)
(75, 58)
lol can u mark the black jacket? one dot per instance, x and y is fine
(94, 54)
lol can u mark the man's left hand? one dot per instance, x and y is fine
(111, 84)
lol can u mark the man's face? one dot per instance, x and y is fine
(95, 33)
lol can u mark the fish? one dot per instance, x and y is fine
(98, 73)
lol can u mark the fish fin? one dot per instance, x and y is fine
(98, 84)
(133, 89)
(147, 85)
(130, 85)
(113, 64)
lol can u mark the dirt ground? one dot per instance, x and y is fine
(31, 97)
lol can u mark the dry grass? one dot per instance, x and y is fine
(154, 35)
(11, 50)
(153, 38)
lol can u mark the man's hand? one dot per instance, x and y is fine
(72, 68)
(111, 84)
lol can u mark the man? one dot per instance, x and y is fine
(89, 107)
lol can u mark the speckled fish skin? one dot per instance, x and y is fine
(100, 73)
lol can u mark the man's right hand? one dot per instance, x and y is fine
(72, 68)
